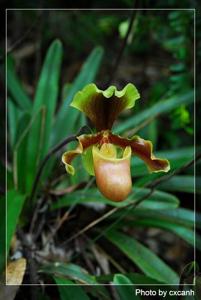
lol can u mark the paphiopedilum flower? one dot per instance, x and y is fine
(105, 155)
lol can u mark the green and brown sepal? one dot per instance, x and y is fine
(103, 107)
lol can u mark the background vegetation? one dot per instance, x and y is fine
(68, 233)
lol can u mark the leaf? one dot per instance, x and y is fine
(124, 287)
(73, 292)
(135, 278)
(71, 271)
(68, 121)
(13, 117)
(158, 200)
(160, 107)
(188, 272)
(15, 87)
(197, 286)
(70, 292)
(22, 125)
(179, 216)
(15, 272)
(44, 103)
(47, 90)
(23, 174)
(66, 117)
(183, 232)
(182, 183)
(2, 234)
(15, 202)
(145, 259)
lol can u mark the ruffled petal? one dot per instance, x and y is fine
(103, 107)
(144, 150)
(84, 142)
(113, 176)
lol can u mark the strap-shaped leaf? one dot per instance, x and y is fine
(144, 258)
(15, 87)
(65, 121)
(68, 270)
(103, 107)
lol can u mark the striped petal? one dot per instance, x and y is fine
(103, 107)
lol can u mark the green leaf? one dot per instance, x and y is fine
(70, 292)
(145, 259)
(183, 232)
(2, 234)
(23, 175)
(13, 117)
(75, 121)
(179, 216)
(22, 124)
(197, 287)
(71, 271)
(73, 291)
(15, 202)
(124, 288)
(15, 87)
(158, 200)
(67, 116)
(182, 183)
(44, 103)
(135, 278)
(48, 88)
(160, 107)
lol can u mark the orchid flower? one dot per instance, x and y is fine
(107, 156)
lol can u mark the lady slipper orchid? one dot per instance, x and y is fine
(105, 155)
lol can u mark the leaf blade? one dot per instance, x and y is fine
(70, 292)
(158, 108)
(125, 292)
(47, 88)
(158, 200)
(145, 259)
(15, 87)
(87, 75)
(70, 270)
(15, 202)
